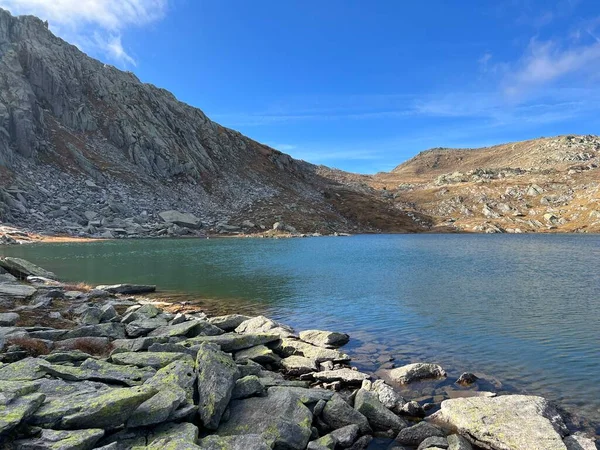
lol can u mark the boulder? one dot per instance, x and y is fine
(416, 372)
(247, 387)
(504, 422)
(418, 433)
(62, 440)
(337, 414)
(13, 412)
(387, 395)
(96, 370)
(190, 328)
(262, 324)
(241, 442)
(346, 375)
(8, 319)
(299, 365)
(433, 443)
(288, 347)
(259, 354)
(17, 290)
(157, 408)
(127, 289)
(466, 379)
(233, 342)
(108, 410)
(280, 418)
(21, 268)
(179, 374)
(326, 339)
(141, 327)
(346, 436)
(217, 374)
(110, 330)
(156, 360)
(379, 417)
(457, 442)
(187, 220)
(579, 441)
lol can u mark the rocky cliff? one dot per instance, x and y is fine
(88, 149)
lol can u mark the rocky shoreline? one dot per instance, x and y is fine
(103, 368)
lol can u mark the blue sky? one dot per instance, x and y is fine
(357, 85)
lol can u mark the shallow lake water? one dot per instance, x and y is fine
(522, 310)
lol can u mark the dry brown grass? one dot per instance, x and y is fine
(91, 346)
(34, 347)
(82, 287)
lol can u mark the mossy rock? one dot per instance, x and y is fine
(156, 360)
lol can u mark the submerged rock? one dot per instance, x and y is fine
(327, 339)
(416, 372)
(505, 422)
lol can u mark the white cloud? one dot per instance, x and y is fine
(93, 25)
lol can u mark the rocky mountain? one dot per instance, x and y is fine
(541, 185)
(89, 150)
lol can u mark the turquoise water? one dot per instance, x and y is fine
(523, 309)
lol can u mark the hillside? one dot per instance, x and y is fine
(540, 185)
(89, 150)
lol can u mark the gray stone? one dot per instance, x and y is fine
(306, 396)
(190, 328)
(416, 372)
(247, 387)
(508, 421)
(95, 370)
(187, 220)
(433, 442)
(327, 339)
(142, 327)
(109, 313)
(127, 289)
(179, 373)
(241, 442)
(346, 375)
(380, 418)
(157, 408)
(457, 442)
(229, 322)
(156, 360)
(17, 290)
(387, 395)
(466, 379)
(262, 324)
(91, 316)
(71, 357)
(337, 414)
(139, 344)
(259, 354)
(233, 342)
(289, 347)
(14, 412)
(282, 421)
(362, 443)
(108, 410)
(27, 369)
(579, 441)
(217, 374)
(413, 409)
(22, 268)
(418, 433)
(298, 365)
(346, 436)
(110, 330)
(8, 319)
(62, 440)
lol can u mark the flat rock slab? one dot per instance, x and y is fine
(229, 322)
(259, 354)
(299, 365)
(22, 268)
(290, 347)
(280, 418)
(27, 369)
(508, 422)
(262, 324)
(346, 375)
(62, 440)
(156, 360)
(128, 289)
(187, 220)
(17, 290)
(327, 339)
(18, 409)
(233, 342)
(8, 319)
(95, 370)
(108, 410)
(416, 372)
(190, 329)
